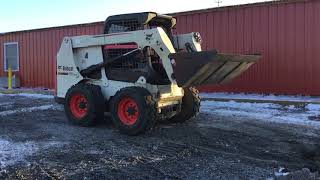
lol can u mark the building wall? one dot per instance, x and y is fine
(285, 33)
(38, 49)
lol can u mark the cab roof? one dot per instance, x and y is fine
(144, 18)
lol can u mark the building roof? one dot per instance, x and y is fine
(257, 4)
(272, 2)
(56, 27)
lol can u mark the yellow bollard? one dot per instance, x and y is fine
(9, 78)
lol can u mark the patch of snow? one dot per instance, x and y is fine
(264, 111)
(281, 172)
(15, 152)
(11, 152)
(270, 97)
(6, 103)
(291, 107)
(313, 107)
(30, 109)
(36, 96)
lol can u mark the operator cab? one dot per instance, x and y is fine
(138, 21)
(146, 62)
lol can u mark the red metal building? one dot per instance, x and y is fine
(286, 33)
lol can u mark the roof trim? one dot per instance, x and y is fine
(249, 5)
(54, 27)
(266, 3)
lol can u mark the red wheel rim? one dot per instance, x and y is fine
(79, 106)
(128, 111)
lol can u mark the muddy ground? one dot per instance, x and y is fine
(37, 142)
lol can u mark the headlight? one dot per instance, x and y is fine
(197, 37)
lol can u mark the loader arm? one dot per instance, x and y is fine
(155, 38)
(78, 53)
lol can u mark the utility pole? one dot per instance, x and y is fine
(218, 2)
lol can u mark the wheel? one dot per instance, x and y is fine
(133, 110)
(190, 106)
(84, 104)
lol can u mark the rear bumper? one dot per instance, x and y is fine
(59, 100)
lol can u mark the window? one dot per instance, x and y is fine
(124, 26)
(11, 56)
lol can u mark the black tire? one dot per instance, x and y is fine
(190, 106)
(91, 107)
(133, 110)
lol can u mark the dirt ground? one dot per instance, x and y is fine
(37, 142)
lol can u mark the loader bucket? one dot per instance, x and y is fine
(209, 67)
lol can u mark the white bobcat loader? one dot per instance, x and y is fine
(139, 72)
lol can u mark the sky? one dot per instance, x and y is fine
(18, 15)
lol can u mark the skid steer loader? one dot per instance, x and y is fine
(139, 72)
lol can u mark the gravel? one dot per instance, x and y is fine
(37, 142)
